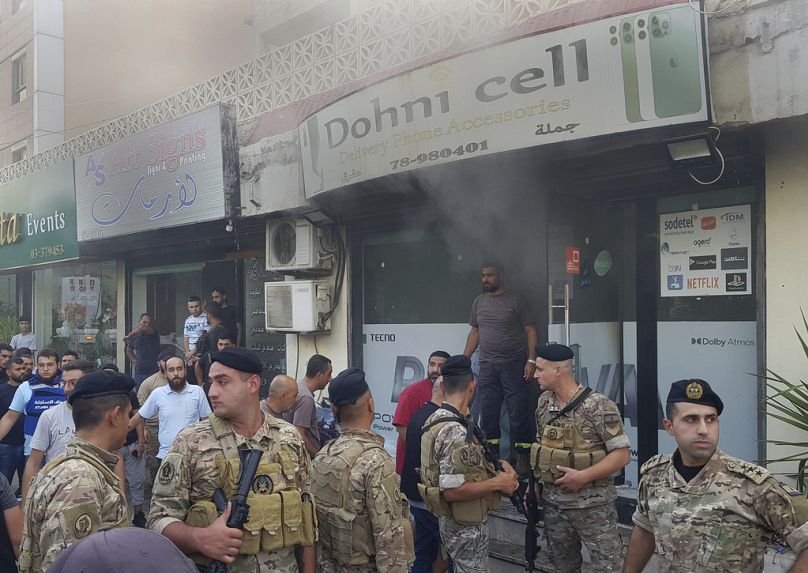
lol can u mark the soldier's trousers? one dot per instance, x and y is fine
(466, 545)
(596, 527)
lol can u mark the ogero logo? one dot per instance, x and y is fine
(702, 242)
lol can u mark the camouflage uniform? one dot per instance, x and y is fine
(372, 494)
(197, 465)
(722, 519)
(71, 497)
(588, 515)
(467, 545)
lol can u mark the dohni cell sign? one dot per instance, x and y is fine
(624, 73)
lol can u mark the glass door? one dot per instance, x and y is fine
(591, 272)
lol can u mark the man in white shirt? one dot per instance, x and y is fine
(177, 406)
(25, 338)
(195, 324)
(55, 426)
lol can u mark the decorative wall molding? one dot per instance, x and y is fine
(392, 34)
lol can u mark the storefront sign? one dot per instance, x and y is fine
(706, 252)
(620, 74)
(395, 356)
(38, 218)
(573, 261)
(175, 174)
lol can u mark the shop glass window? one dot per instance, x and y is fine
(17, 5)
(75, 306)
(8, 307)
(407, 277)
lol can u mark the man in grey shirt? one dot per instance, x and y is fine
(304, 413)
(55, 426)
(502, 326)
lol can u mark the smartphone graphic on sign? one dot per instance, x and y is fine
(642, 49)
(628, 56)
(675, 65)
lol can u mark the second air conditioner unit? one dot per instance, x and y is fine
(297, 306)
(295, 245)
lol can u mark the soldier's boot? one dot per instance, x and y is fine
(139, 520)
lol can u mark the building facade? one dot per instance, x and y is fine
(413, 140)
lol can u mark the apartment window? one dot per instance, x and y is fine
(19, 152)
(19, 80)
(16, 5)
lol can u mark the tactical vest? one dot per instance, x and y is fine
(348, 537)
(562, 445)
(43, 397)
(26, 561)
(471, 512)
(279, 517)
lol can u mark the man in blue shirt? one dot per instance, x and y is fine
(11, 447)
(142, 348)
(36, 395)
(177, 405)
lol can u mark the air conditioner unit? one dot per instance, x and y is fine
(296, 245)
(297, 306)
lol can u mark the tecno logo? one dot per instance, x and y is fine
(382, 337)
(702, 242)
(704, 341)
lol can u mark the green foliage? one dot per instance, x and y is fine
(9, 325)
(788, 402)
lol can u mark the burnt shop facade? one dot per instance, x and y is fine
(549, 153)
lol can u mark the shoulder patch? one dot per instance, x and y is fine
(657, 460)
(753, 472)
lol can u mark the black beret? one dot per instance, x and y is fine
(458, 365)
(555, 352)
(239, 359)
(102, 383)
(695, 391)
(349, 385)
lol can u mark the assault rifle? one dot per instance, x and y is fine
(531, 529)
(239, 510)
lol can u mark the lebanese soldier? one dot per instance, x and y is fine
(78, 493)
(279, 535)
(459, 484)
(580, 444)
(363, 523)
(704, 510)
